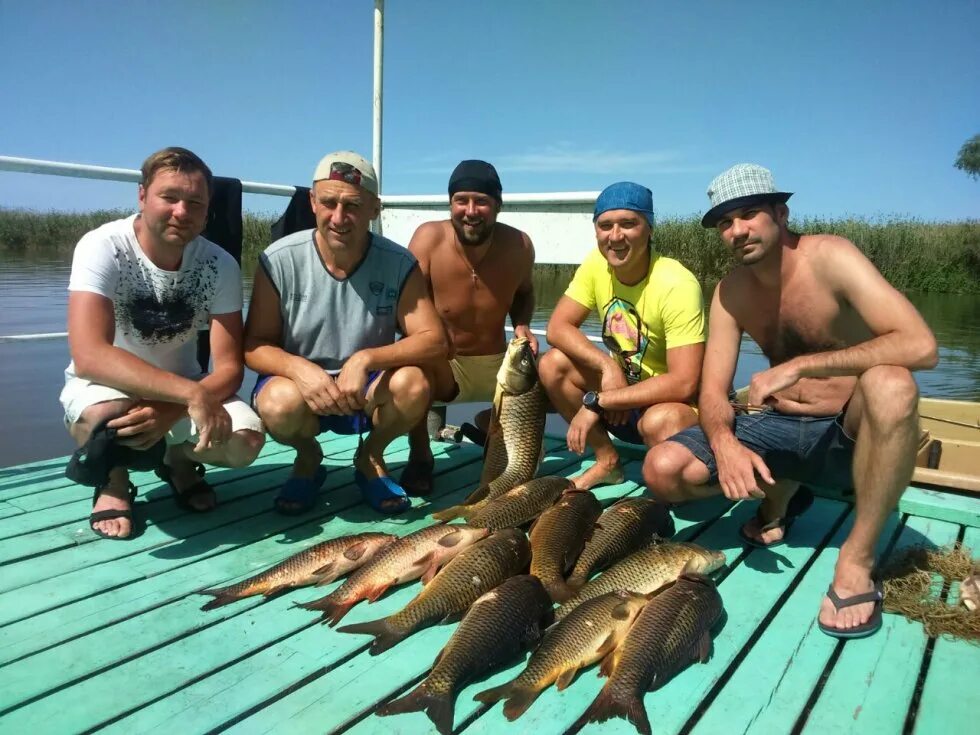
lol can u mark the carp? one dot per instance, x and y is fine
(498, 626)
(557, 538)
(514, 441)
(474, 571)
(670, 632)
(647, 570)
(521, 504)
(590, 632)
(319, 564)
(418, 554)
(626, 526)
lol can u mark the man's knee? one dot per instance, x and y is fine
(889, 394)
(661, 422)
(242, 448)
(280, 404)
(95, 414)
(410, 386)
(553, 366)
(663, 471)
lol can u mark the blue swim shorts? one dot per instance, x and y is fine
(627, 432)
(812, 450)
(356, 423)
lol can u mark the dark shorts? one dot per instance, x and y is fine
(356, 423)
(812, 450)
(628, 432)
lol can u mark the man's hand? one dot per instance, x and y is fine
(523, 330)
(579, 428)
(146, 423)
(771, 381)
(737, 468)
(210, 418)
(613, 378)
(351, 384)
(318, 389)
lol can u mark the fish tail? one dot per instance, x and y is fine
(558, 590)
(220, 599)
(608, 705)
(438, 707)
(385, 634)
(519, 698)
(332, 610)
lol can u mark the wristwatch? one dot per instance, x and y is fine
(591, 401)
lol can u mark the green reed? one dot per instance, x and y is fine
(913, 255)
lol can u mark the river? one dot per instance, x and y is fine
(33, 299)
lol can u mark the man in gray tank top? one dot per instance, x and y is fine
(328, 306)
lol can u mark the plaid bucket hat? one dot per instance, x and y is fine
(740, 186)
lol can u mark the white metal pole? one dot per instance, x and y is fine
(379, 30)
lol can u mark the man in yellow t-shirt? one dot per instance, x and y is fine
(642, 386)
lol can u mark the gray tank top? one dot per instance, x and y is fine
(325, 319)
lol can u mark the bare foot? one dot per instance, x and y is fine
(849, 580)
(599, 474)
(113, 497)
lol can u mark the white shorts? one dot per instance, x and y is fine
(78, 394)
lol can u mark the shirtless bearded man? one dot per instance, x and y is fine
(839, 401)
(479, 271)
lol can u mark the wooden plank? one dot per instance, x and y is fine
(74, 601)
(872, 682)
(195, 707)
(941, 506)
(164, 669)
(770, 688)
(950, 689)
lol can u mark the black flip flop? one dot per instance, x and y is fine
(873, 623)
(800, 503)
(183, 497)
(105, 515)
(416, 477)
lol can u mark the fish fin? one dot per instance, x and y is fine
(518, 700)
(608, 665)
(479, 494)
(220, 600)
(607, 705)
(385, 635)
(425, 560)
(565, 678)
(277, 590)
(704, 648)
(620, 612)
(437, 707)
(661, 588)
(324, 571)
(355, 551)
(495, 694)
(451, 539)
(429, 574)
(608, 645)
(444, 516)
(373, 593)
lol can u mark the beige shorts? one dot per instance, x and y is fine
(78, 394)
(476, 376)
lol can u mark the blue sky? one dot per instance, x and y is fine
(858, 107)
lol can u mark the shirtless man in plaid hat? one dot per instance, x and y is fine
(837, 406)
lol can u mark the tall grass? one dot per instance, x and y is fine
(912, 255)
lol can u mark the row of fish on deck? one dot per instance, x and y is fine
(647, 614)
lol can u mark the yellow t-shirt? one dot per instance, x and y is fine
(642, 322)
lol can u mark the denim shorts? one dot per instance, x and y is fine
(356, 423)
(812, 450)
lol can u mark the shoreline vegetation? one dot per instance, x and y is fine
(940, 257)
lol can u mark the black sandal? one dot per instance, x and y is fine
(183, 497)
(105, 515)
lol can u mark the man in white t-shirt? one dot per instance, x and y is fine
(141, 289)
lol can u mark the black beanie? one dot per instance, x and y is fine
(475, 176)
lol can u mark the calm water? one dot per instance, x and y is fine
(33, 299)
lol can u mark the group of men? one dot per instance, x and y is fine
(352, 333)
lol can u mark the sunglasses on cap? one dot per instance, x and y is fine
(611, 342)
(340, 171)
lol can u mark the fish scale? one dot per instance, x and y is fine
(557, 539)
(521, 504)
(647, 570)
(670, 632)
(319, 564)
(625, 527)
(590, 631)
(497, 627)
(475, 570)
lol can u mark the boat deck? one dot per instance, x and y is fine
(108, 636)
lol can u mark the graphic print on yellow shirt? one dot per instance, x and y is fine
(623, 335)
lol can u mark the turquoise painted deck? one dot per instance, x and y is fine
(108, 636)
